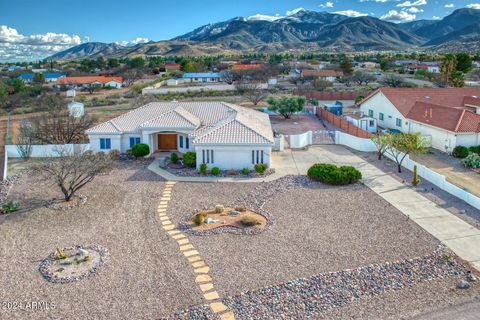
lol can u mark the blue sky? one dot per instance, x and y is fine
(30, 29)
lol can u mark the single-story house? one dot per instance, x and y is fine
(172, 67)
(78, 82)
(203, 77)
(246, 67)
(430, 68)
(48, 76)
(369, 65)
(221, 134)
(328, 75)
(362, 121)
(449, 116)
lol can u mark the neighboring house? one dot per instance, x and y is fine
(430, 68)
(172, 82)
(82, 82)
(172, 67)
(76, 109)
(203, 77)
(328, 75)
(362, 121)
(449, 116)
(369, 65)
(49, 77)
(405, 62)
(246, 67)
(476, 64)
(222, 135)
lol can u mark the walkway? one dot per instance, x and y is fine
(203, 279)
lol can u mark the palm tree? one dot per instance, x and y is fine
(448, 66)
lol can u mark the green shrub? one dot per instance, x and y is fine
(331, 174)
(199, 219)
(460, 152)
(249, 221)
(140, 150)
(190, 159)
(174, 157)
(472, 161)
(475, 149)
(215, 171)
(245, 171)
(203, 169)
(261, 168)
(10, 206)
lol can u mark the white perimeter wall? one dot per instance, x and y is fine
(233, 157)
(299, 141)
(424, 172)
(47, 151)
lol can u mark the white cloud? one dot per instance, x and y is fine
(264, 17)
(414, 10)
(436, 18)
(449, 5)
(351, 13)
(412, 4)
(381, 1)
(15, 46)
(398, 16)
(133, 42)
(473, 6)
(327, 4)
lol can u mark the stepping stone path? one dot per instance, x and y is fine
(203, 279)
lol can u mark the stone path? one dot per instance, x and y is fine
(203, 279)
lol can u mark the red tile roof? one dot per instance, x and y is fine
(88, 80)
(172, 66)
(321, 73)
(451, 119)
(243, 67)
(472, 101)
(405, 98)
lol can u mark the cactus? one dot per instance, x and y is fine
(415, 180)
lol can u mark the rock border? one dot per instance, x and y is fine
(253, 201)
(45, 264)
(55, 205)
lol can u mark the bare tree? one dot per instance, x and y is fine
(130, 76)
(361, 77)
(25, 139)
(394, 81)
(57, 126)
(72, 172)
(252, 91)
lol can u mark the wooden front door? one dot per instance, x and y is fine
(167, 141)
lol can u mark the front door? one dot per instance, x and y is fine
(167, 141)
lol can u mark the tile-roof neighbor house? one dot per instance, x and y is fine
(231, 133)
(448, 116)
(246, 67)
(204, 77)
(329, 75)
(171, 67)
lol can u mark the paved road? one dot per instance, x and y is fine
(464, 311)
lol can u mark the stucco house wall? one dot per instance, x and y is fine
(232, 157)
(380, 104)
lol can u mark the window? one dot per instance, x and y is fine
(180, 141)
(370, 113)
(257, 156)
(187, 143)
(398, 122)
(105, 143)
(381, 116)
(134, 141)
(207, 156)
(371, 123)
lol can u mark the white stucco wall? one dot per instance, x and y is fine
(380, 104)
(116, 142)
(468, 140)
(233, 157)
(440, 139)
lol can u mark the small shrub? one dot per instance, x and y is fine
(219, 208)
(245, 171)
(475, 149)
(10, 206)
(472, 161)
(203, 169)
(199, 219)
(129, 152)
(215, 171)
(232, 172)
(460, 152)
(174, 157)
(249, 221)
(140, 150)
(114, 154)
(190, 159)
(261, 168)
(331, 174)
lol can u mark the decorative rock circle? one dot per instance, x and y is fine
(61, 205)
(79, 262)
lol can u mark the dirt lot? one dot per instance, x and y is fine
(296, 124)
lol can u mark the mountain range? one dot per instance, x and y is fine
(306, 31)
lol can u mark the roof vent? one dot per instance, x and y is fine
(428, 97)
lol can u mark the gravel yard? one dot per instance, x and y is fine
(145, 275)
(317, 229)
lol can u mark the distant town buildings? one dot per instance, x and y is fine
(82, 82)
